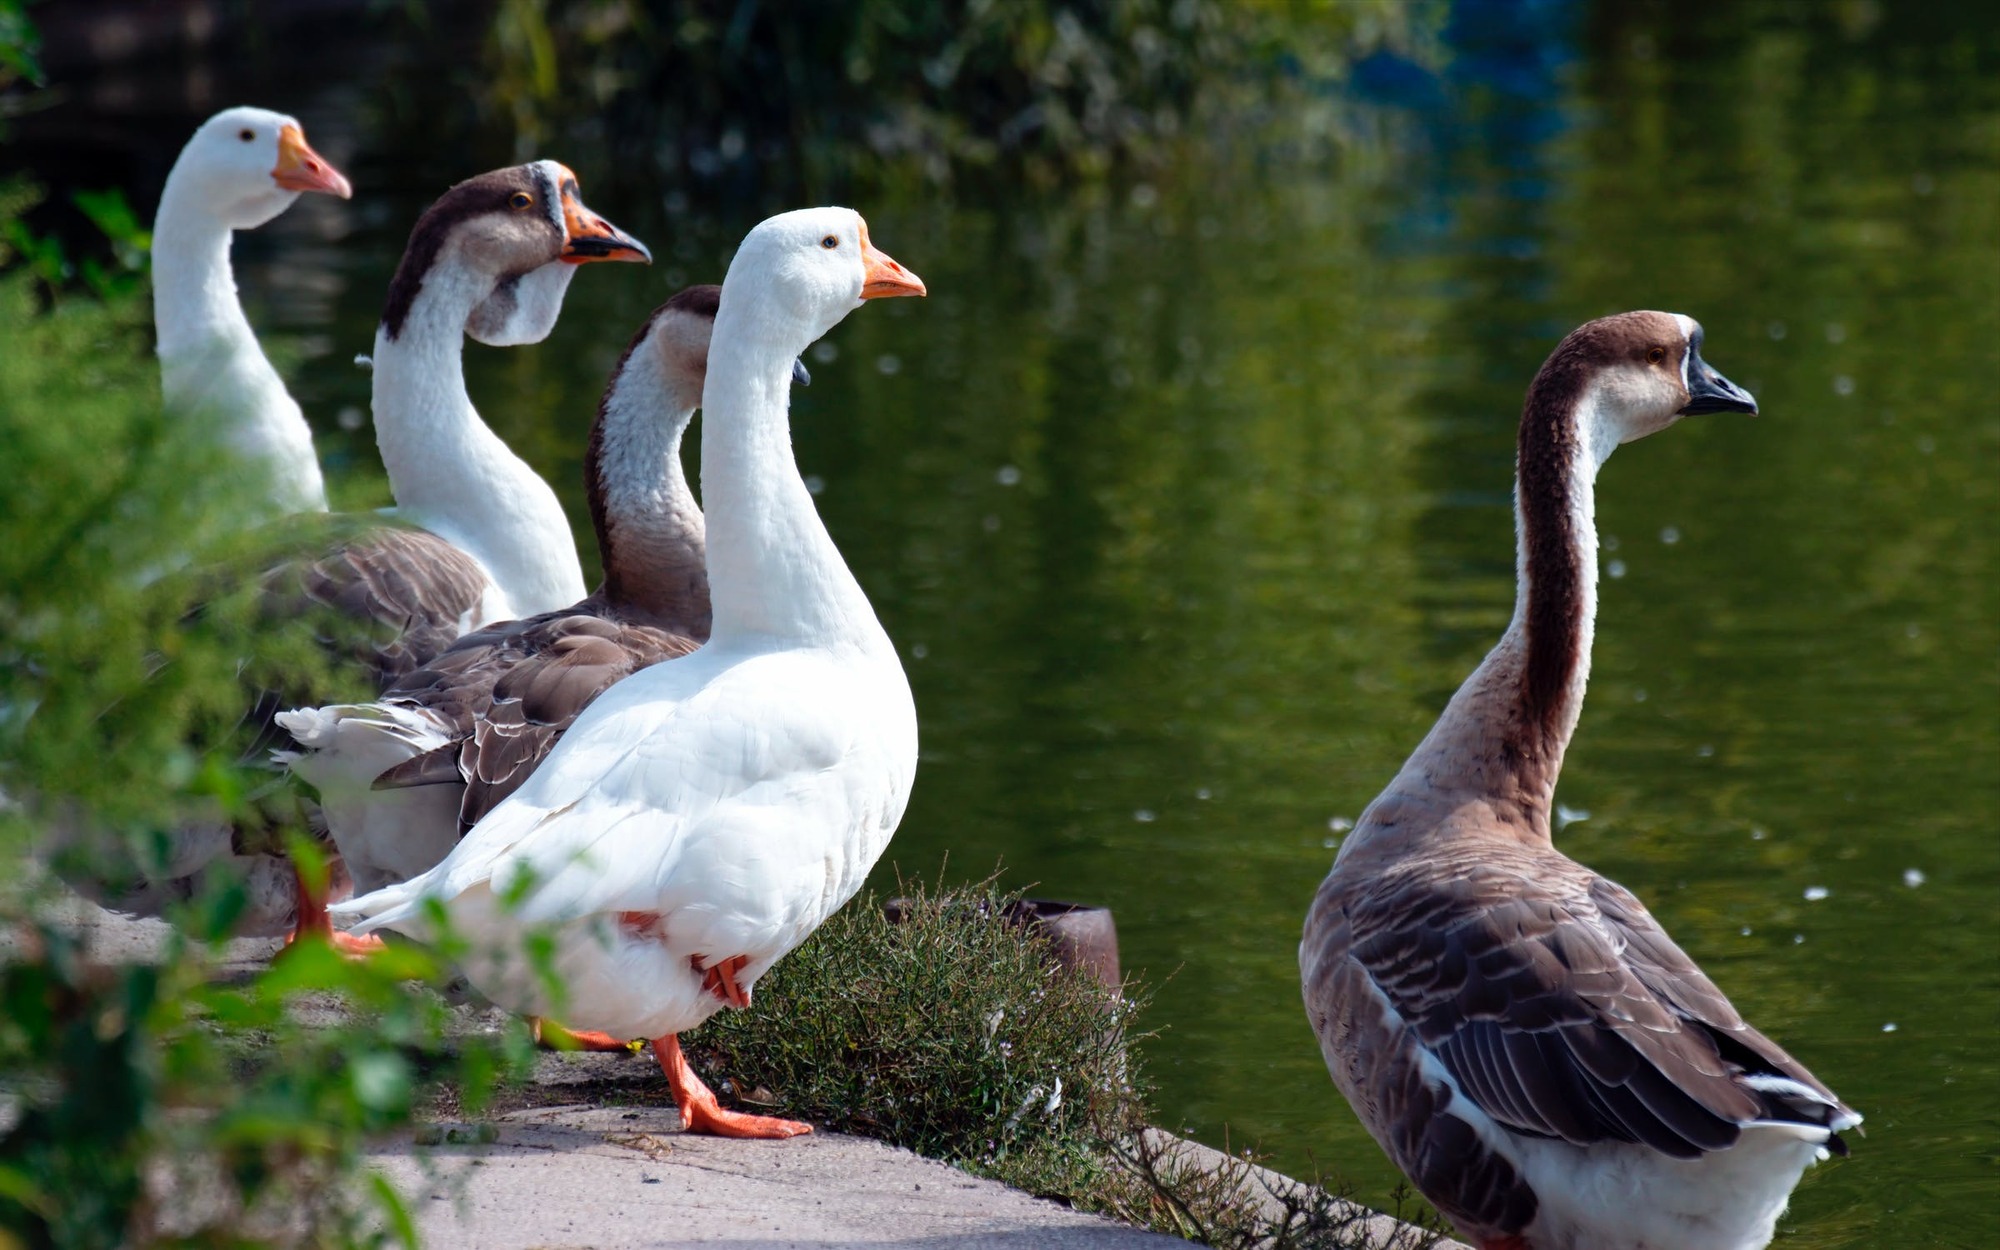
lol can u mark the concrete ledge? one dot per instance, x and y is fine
(1262, 1185)
(609, 1177)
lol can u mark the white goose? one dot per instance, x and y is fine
(1518, 1033)
(704, 816)
(243, 167)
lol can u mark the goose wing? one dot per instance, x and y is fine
(1561, 1007)
(505, 696)
(410, 593)
(675, 786)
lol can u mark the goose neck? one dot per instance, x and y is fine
(650, 531)
(194, 288)
(1501, 740)
(773, 570)
(453, 475)
(423, 416)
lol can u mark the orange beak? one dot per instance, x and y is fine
(302, 169)
(881, 276)
(593, 238)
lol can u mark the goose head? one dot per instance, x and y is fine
(510, 240)
(247, 165)
(1644, 370)
(816, 265)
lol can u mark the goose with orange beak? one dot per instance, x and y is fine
(243, 167)
(703, 816)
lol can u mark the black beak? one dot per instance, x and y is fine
(799, 374)
(1709, 391)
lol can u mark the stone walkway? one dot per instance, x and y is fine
(605, 1177)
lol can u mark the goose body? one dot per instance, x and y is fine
(704, 815)
(241, 168)
(402, 777)
(1518, 1033)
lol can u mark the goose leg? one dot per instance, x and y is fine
(720, 980)
(701, 1113)
(312, 918)
(555, 1037)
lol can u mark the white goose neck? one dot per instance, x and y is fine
(453, 475)
(194, 287)
(650, 532)
(774, 572)
(211, 364)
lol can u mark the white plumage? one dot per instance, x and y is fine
(241, 168)
(705, 815)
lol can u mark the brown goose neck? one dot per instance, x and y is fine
(1491, 762)
(1555, 470)
(650, 531)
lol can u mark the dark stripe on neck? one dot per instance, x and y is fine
(1550, 445)
(594, 487)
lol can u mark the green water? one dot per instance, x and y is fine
(1188, 505)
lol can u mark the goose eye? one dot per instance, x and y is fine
(1655, 355)
(829, 243)
(246, 134)
(521, 199)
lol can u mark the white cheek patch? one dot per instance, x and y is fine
(548, 176)
(1688, 330)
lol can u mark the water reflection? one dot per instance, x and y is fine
(1188, 503)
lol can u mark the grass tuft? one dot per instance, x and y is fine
(954, 1033)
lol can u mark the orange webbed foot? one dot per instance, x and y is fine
(701, 1113)
(312, 919)
(356, 947)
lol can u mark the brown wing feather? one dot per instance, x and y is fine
(507, 695)
(383, 599)
(1562, 1007)
(415, 589)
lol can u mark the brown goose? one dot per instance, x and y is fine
(1518, 1033)
(403, 777)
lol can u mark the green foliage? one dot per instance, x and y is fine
(944, 89)
(130, 244)
(106, 682)
(946, 1033)
(20, 45)
(153, 1103)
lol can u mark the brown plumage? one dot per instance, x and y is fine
(504, 695)
(1517, 1032)
(489, 195)
(406, 593)
(508, 693)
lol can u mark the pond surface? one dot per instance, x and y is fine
(1188, 503)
